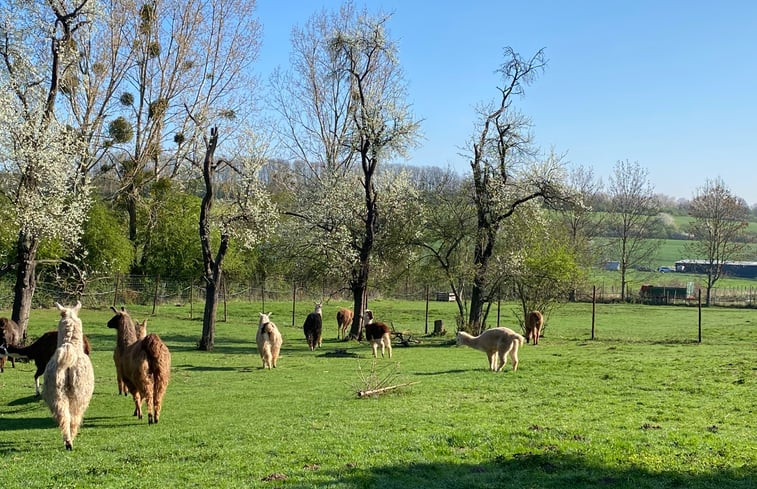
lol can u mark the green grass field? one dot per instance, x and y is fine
(641, 406)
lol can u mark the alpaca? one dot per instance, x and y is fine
(269, 341)
(313, 327)
(534, 324)
(41, 351)
(377, 333)
(69, 376)
(497, 343)
(145, 365)
(343, 322)
(141, 330)
(10, 334)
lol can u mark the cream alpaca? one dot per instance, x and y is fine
(497, 343)
(69, 376)
(269, 341)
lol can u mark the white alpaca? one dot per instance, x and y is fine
(269, 341)
(69, 376)
(497, 343)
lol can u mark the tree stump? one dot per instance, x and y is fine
(439, 328)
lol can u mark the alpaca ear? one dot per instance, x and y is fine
(269, 314)
(77, 307)
(60, 308)
(112, 308)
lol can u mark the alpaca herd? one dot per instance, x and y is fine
(143, 362)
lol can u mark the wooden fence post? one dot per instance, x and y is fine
(700, 315)
(294, 301)
(426, 309)
(593, 308)
(191, 298)
(115, 291)
(155, 295)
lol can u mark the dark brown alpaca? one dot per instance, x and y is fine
(41, 351)
(10, 334)
(144, 365)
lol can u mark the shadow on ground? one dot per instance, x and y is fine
(522, 471)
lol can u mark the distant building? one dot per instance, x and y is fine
(612, 265)
(742, 269)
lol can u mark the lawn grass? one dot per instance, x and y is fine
(643, 405)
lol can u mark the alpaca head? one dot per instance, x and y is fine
(142, 329)
(318, 309)
(264, 319)
(68, 312)
(368, 316)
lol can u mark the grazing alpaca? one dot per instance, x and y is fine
(41, 351)
(343, 322)
(313, 328)
(145, 365)
(10, 334)
(534, 323)
(69, 376)
(377, 333)
(497, 343)
(269, 341)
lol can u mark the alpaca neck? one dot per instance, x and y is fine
(469, 340)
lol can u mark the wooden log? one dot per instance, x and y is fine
(439, 327)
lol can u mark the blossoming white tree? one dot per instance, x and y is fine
(352, 118)
(39, 152)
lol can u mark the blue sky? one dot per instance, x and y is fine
(670, 84)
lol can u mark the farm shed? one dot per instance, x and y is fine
(651, 294)
(742, 269)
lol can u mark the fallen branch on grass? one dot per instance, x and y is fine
(381, 390)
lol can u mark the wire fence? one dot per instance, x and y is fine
(145, 290)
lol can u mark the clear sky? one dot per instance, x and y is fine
(670, 84)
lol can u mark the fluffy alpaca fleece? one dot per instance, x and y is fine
(69, 376)
(534, 323)
(10, 334)
(313, 328)
(144, 365)
(343, 322)
(377, 333)
(497, 343)
(269, 341)
(41, 351)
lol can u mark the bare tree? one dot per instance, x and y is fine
(503, 177)
(580, 217)
(718, 229)
(246, 214)
(631, 218)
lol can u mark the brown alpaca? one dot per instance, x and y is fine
(378, 333)
(141, 330)
(534, 324)
(145, 365)
(343, 322)
(10, 334)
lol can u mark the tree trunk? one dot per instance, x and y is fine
(26, 281)
(209, 315)
(359, 294)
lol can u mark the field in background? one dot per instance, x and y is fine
(641, 406)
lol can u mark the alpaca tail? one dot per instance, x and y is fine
(159, 359)
(521, 339)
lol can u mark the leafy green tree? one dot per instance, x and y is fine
(106, 248)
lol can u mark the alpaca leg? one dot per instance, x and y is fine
(137, 405)
(503, 357)
(514, 356)
(63, 417)
(492, 360)
(374, 348)
(388, 342)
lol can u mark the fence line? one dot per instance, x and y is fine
(145, 290)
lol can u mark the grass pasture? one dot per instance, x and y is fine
(641, 406)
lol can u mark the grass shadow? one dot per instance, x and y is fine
(13, 424)
(528, 470)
